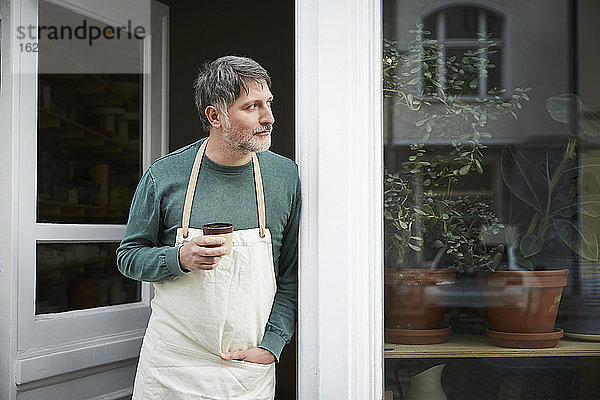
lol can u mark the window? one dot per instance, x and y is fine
(89, 157)
(460, 34)
(481, 185)
(91, 110)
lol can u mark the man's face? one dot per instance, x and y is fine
(250, 121)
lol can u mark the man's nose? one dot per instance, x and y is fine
(267, 117)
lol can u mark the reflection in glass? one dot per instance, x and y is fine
(494, 71)
(89, 119)
(90, 77)
(489, 167)
(554, 378)
(73, 276)
(494, 25)
(461, 22)
(467, 61)
(89, 158)
(465, 31)
(430, 24)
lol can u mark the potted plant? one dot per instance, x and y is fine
(547, 189)
(425, 218)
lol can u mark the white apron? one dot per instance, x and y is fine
(200, 314)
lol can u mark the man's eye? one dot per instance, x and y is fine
(253, 106)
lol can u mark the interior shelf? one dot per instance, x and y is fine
(51, 119)
(51, 207)
(62, 265)
(467, 346)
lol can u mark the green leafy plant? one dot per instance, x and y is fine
(550, 189)
(422, 211)
(419, 198)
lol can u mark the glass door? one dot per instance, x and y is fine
(95, 108)
(89, 153)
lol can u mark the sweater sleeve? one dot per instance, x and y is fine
(140, 255)
(282, 321)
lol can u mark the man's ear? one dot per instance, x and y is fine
(213, 116)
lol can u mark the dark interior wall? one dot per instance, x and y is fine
(202, 31)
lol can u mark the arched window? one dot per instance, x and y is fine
(460, 29)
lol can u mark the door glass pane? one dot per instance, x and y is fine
(73, 276)
(89, 117)
(89, 147)
(491, 191)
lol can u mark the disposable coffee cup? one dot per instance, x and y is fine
(220, 229)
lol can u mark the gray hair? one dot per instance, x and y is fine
(220, 83)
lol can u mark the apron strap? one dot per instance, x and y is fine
(260, 197)
(189, 196)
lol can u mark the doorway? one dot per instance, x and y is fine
(265, 33)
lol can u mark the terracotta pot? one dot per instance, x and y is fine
(414, 298)
(523, 301)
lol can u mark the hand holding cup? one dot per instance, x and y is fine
(202, 253)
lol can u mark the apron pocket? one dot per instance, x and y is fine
(176, 372)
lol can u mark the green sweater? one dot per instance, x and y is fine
(223, 194)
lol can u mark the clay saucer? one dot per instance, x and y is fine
(417, 336)
(517, 340)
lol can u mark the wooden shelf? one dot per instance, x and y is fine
(52, 207)
(53, 266)
(51, 119)
(473, 346)
(86, 85)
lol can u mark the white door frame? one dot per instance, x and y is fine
(339, 151)
(67, 352)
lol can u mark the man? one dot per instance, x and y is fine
(219, 322)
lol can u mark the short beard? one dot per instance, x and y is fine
(246, 144)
